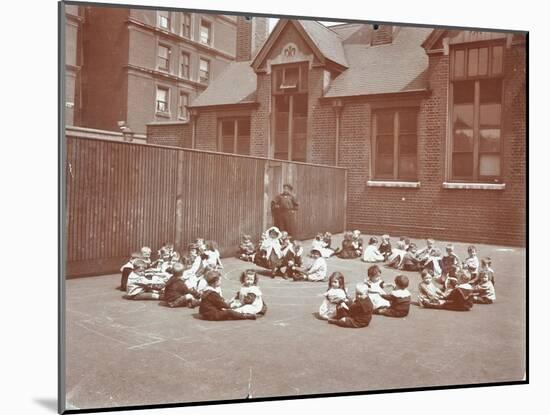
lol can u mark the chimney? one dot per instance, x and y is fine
(381, 34)
(252, 32)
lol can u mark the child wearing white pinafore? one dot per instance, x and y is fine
(248, 299)
(335, 297)
(376, 286)
(371, 252)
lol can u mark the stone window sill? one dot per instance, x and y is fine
(163, 114)
(475, 186)
(383, 183)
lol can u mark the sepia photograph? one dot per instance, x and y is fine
(259, 207)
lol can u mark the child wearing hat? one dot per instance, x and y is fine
(360, 311)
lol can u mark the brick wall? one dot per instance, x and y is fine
(170, 134)
(244, 39)
(260, 119)
(481, 216)
(321, 123)
(206, 131)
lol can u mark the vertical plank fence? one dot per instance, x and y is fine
(121, 196)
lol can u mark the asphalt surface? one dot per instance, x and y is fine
(121, 352)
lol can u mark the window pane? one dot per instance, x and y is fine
(489, 140)
(384, 155)
(205, 32)
(459, 63)
(472, 62)
(161, 94)
(243, 127)
(483, 61)
(407, 156)
(490, 90)
(489, 165)
(489, 115)
(243, 137)
(228, 128)
(290, 78)
(463, 165)
(384, 122)
(407, 122)
(463, 92)
(497, 60)
(204, 65)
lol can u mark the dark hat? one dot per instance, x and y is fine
(288, 185)
(315, 250)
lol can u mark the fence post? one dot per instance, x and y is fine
(180, 181)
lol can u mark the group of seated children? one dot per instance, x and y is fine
(280, 254)
(370, 298)
(190, 282)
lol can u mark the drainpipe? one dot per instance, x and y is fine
(194, 115)
(337, 107)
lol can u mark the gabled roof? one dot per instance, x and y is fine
(326, 44)
(235, 85)
(397, 67)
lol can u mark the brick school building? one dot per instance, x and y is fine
(430, 123)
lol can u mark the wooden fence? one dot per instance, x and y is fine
(121, 196)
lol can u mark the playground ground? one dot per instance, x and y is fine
(121, 352)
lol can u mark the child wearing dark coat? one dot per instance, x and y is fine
(213, 307)
(176, 292)
(360, 311)
(385, 246)
(399, 298)
(460, 298)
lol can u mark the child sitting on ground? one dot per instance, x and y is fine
(484, 290)
(213, 307)
(191, 274)
(449, 260)
(371, 252)
(397, 255)
(460, 298)
(293, 261)
(471, 264)
(140, 287)
(349, 249)
(176, 293)
(360, 311)
(320, 244)
(317, 271)
(335, 297)
(271, 247)
(385, 247)
(376, 287)
(211, 255)
(432, 261)
(399, 298)
(485, 266)
(410, 261)
(358, 242)
(423, 253)
(429, 292)
(248, 299)
(247, 249)
(127, 269)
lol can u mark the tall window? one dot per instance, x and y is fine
(164, 58)
(182, 108)
(235, 135)
(204, 70)
(395, 144)
(206, 32)
(184, 71)
(164, 20)
(290, 93)
(476, 89)
(186, 25)
(162, 99)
